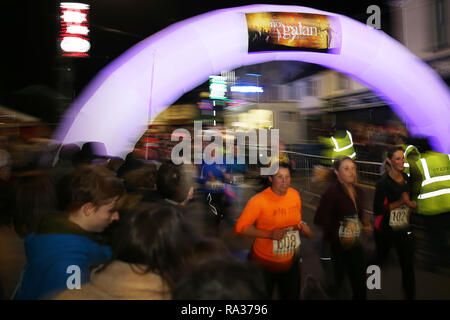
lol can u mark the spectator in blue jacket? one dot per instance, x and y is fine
(66, 246)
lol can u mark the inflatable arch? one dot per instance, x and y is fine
(138, 85)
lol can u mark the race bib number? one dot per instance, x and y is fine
(290, 243)
(399, 217)
(349, 231)
(237, 179)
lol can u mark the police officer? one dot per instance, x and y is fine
(433, 203)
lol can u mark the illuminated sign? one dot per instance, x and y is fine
(287, 31)
(74, 29)
(217, 87)
(247, 89)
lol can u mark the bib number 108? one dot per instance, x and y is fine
(289, 243)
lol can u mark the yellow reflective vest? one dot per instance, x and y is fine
(434, 196)
(412, 154)
(339, 147)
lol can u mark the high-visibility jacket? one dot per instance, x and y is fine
(339, 147)
(434, 197)
(282, 158)
(412, 154)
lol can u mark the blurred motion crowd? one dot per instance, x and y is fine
(123, 227)
(72, 217)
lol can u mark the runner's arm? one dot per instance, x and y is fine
(407, 200)
(252, 231)
(305, 230)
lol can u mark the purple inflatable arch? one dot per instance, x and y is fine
(115, 107)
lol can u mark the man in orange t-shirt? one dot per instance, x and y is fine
(273, 217)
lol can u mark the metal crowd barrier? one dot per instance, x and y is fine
(368, 172)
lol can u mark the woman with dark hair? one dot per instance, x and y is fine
(392, 206)
(150, 248)
(340, 215)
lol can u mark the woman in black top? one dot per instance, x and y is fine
(392, 206)
(340, 214)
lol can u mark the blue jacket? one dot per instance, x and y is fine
(215, 170)
(48, 259)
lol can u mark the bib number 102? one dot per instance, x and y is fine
(399, 217)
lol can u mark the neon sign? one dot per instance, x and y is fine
(217, 87)
(247, 89)
(74, 29)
